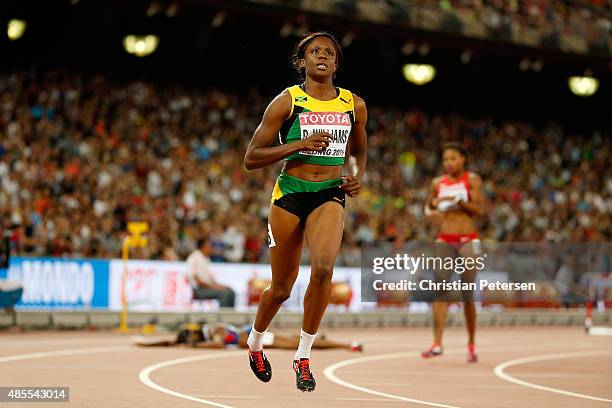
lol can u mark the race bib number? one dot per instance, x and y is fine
(337, 124)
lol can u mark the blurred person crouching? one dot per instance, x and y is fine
(202, 281)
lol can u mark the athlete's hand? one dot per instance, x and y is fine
(435, 202)
(317, 142)
(351, 185)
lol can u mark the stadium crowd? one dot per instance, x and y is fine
(588, 19)
(79, 157)
(585, 19)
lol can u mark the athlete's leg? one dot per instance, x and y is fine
(210, 345)
(285, 342)
(469, 309)
(242, 342)
(440, 305)
(155, 341)
(470, 250)
(287, 235)
(329, 344)
(440, 310)
(291, 342)
(323, 232)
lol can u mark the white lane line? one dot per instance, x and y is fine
(365, 399)
(499, 371)
(67, 352)
(51, 343)
(145, 375)
(310, 398)
(564, 376)
(225, 396)
(329, 373)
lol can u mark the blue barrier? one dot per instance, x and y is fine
(53, 283)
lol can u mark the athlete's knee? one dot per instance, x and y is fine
(470, 300)
(280, 293)
(468, 297)
(321, 271)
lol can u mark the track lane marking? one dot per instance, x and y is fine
(499, 372)
(65, 352)
(145, 375)
(329, 373)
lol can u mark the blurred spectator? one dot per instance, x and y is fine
(542, 20)
(169, 254)
(79, 158)
(202, 280)
(234, 240)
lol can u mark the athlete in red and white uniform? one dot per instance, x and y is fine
(455, 201)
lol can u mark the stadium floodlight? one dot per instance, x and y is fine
(153, 9)
(15, 29)
(348, 38)
(140, 45)
(537, 65)
(172, 10)
(424, 49)
(419, 74)
(408, 47)
(218, 20)
(583, 86)
(466, 56)
(286, 29)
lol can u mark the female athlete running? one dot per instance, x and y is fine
(319, 125)
(455, 200)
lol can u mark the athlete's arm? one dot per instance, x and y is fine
(358, 144)
(431, 203)
(476, 203)
(260, 154)
(431, 212)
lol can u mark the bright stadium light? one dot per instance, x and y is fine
(583, 86)
(537, 65)
(140, 45)
(15, 29)
(218, 20)
(419, 74)
(348, 38)
(408, 47)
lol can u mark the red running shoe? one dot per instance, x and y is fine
(260, 365)
(303, 377)
(472, 357)
(355, 346)
(433, 351)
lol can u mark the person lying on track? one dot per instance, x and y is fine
(224, 335)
